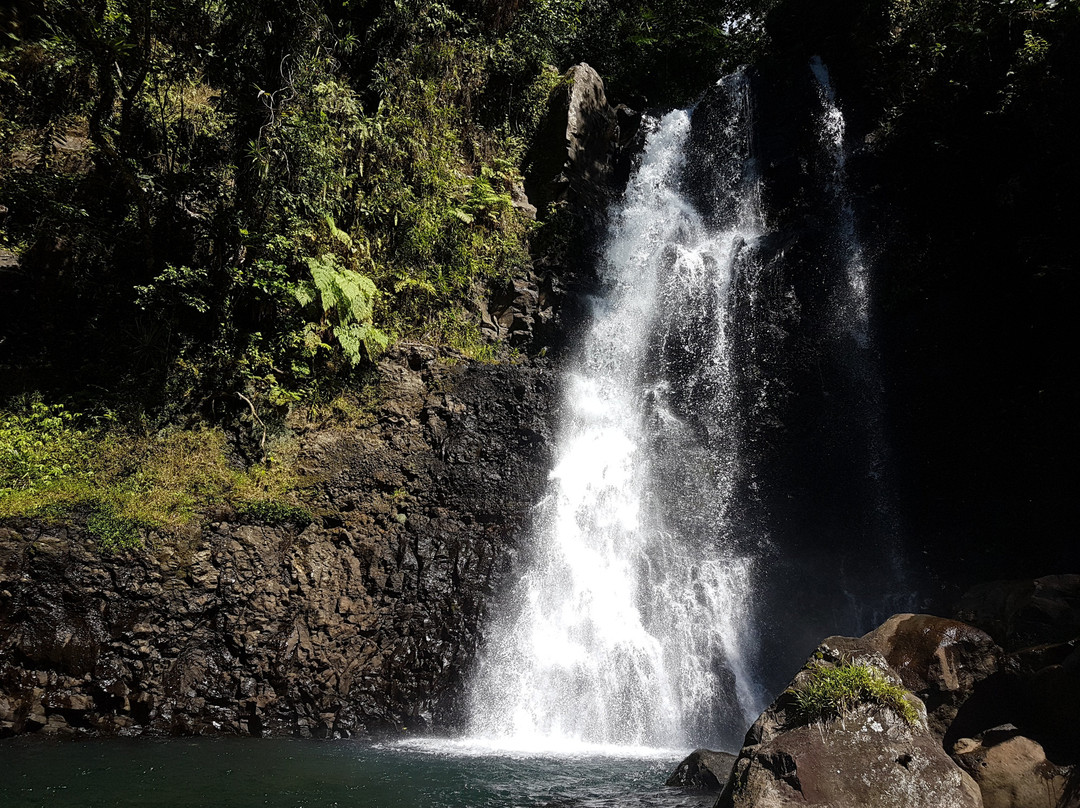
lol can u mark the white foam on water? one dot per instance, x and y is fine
(554, 748)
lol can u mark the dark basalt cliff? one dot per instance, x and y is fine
(361, 621)
(366, 619)
(962, 168)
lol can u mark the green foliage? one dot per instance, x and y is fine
(835, 691)
(1034, 50)
(40, 447)
(273, 512)
(669, 50)
(347, 303)
(58, 465)
(955, 53)
(115, 533)
(259, 197)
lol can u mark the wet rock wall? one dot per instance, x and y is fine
(361, 622)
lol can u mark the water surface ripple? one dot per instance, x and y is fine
(284, 773)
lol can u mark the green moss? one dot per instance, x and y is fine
(833, 692)
(58, 465)
(273, 512)
(115, 533)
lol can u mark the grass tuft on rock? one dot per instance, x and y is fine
(834, 692)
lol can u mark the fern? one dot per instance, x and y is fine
(405, 282)
(305, 293)
(344, 238)
(359, 341)
(347, 302)
(348, 294)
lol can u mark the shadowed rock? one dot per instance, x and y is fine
(702, 770)
(1019, 614)
(870, 757)
(1012, 771)
(939, 660)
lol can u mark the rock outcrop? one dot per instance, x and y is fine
(869, 757)
(702, 770)
(1012, 771)
(1038, 687)
(362, 621)
(939, 660)
(573, 153)
(1021, 614)
(967, 689)
(570, 177)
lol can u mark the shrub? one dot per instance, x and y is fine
(41, 446)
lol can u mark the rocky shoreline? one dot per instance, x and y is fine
(997, 711)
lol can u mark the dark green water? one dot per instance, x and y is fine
(312, 774)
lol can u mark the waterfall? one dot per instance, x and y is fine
(862, 403)
(632, 624)
(855, 305)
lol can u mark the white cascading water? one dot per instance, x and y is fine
(853, 317)
(856, 303)
(631, 627)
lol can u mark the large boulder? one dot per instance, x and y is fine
(702, 770)
(939, 660)
(870, 756)
(1019, 614)
(1038, 621)
(1012, 771)
(572, 154)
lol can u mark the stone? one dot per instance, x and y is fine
(76, 702)
(573, 151)
(1038, 688)
(938, 659)
(871, 758)
(1019, 614)
(521, 201)
(1011, 771)
(1041, 693)
(702, 770)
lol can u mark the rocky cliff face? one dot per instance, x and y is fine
(363, 620)
(366, 618)
(960, 169)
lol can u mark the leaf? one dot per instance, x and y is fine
(349, 299)
(337, 232)
(406, 282)
(305, 293)
(360, 341)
